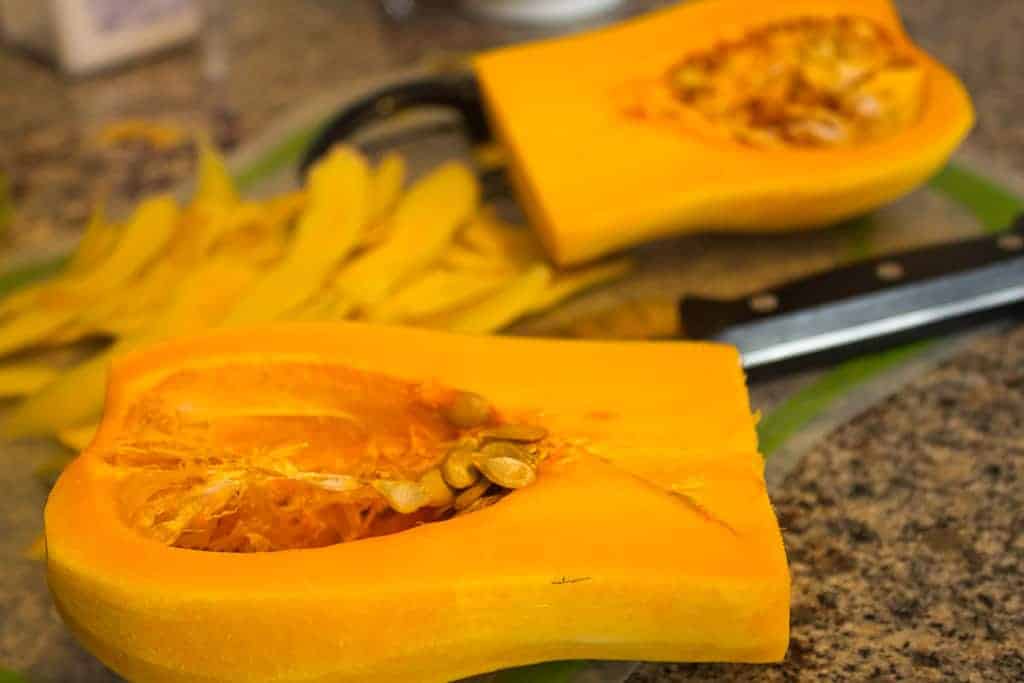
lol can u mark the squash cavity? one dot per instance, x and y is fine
(327, 454)
(802, 82)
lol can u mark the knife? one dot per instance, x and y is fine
(868, 302)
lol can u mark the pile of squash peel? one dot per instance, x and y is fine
(354, 243)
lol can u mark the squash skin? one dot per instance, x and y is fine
(539, 583)
(642, 181)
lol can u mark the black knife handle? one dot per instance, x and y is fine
(703, 317)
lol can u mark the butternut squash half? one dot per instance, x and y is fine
(732, 115)
(244, 511)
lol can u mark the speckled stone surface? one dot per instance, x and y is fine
(905, 534)
(905, 527)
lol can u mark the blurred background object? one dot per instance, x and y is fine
(398, 9)
(82, 36)
(215, 48)
(540, 11)
(479, 24)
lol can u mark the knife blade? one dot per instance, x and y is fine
(867, 301)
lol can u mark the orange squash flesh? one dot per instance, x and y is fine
(555, 103)
(652, 538)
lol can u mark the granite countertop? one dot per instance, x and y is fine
(904, 527)
(905, 535)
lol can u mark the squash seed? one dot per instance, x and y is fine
(438, 491)
(506, 471)
(471, 495)
(468, 410)
(479, 504)
(458, 468)
(403, 496)
(531, 454)
(503, 449)
(514, 432)
(535, 455)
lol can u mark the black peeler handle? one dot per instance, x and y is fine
(459, 92)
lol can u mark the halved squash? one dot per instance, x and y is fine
(204, 535)
(633, 132)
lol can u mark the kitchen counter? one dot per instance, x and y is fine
(905, 535)
(904, 527)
